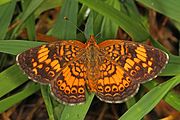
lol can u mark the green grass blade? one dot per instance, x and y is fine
(133, 27)
(48, 4)
(176, 24)
(108, 27)
(130, 102)
(171, 70)
(98, 19)
(47, 99)
(30, 22)
(172, 98)
(33, 5)
(148, 102)
(173, 67)
(64, 29)
(129, 7)
(30, 26)
(169, 8)
(6, 12)
(10, 79)
(76, 112)
(4, 2)
(14, 99)
(15, 47)
(82, 15)
(89, 26)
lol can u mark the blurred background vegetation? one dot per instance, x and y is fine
(28, 23)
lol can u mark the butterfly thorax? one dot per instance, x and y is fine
(92, 59)
(92, 62)
(92, 56)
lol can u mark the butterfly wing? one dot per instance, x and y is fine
(125, 65)
(57, 64)
(140, 61)
(69, 87)
(114, 85)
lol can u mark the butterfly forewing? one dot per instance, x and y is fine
(43, 63)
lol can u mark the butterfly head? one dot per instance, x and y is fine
(91, 41)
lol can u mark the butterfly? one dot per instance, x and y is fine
(113, 69)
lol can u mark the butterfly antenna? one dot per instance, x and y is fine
(66, 18)
(97, 36)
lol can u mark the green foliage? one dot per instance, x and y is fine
(104, 17)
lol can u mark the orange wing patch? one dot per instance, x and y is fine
(114, 83)
(69, 87)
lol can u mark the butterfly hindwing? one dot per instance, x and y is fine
(114, 84)
(69, 87)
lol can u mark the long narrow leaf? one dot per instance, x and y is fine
(34, 4)
(15, 47)
(169, 8)
(148, 102)
(6, 13)
(10, 79)
(133, 27)
(66, 29)
(45, 93)
(12, 100)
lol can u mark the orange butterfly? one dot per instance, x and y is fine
(113, 69)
